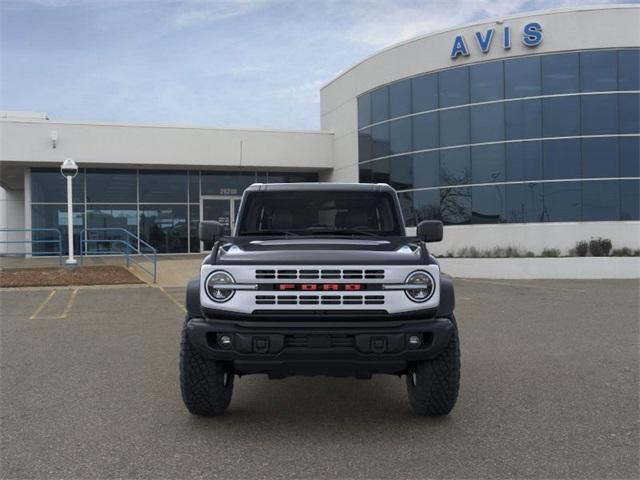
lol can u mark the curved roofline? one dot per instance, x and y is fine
(551, 11)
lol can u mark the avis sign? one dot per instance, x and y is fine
(531, 37)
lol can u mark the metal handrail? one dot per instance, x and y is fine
(31, 241)
(128, 252)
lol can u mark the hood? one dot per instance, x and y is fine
(320, 251)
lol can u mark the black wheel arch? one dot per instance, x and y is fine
(447, 298)
(193, 298)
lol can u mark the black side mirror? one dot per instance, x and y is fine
(430, 231)
(209, 232)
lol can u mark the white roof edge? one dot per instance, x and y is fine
(550, 11)
(149, 125)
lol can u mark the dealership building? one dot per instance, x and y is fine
(519, 131)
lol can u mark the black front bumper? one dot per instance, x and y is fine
(281, 349)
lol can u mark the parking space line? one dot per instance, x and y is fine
(172, 299)
(42, 305)
(68, 307)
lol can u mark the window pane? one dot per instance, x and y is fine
(380, 170)
(487, 123)
(561, 116)
(524, 203)
(424, 93)
(425, 131)
(165, 227)
(599, 71)
(488, 204)
(401, 174)
(364, 110)
(455, 166)
(560, 73)
(426, 205)
(454, 127)
(600, 200)
(116, 217)
(400, 98)
(562, 159)
(194, 186)
(365, 172)
(629, 112)
(226, 183)
(400, 135)
(455, 205)
(365, 144)
(487, 82)
(426, 169)
(380, 140)
(48, 185)
(599, 114)
(55, 216)
(562, 201)
(163, 186)
(290, 177)
(522, 77)
(112, 186)
(194, 222)
(524, 161)
(487, 164)
(600, 157)
(629, 69)
(454, 87)
(630, 200)
(380, 105)
(523, 119)
(630, 157)
(406, 205)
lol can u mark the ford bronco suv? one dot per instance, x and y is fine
(320, 279)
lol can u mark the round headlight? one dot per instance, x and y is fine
(425, 286)
(217, 293)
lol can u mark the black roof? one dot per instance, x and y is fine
(320, 186)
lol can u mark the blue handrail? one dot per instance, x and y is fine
(130, 251)
(31, 241)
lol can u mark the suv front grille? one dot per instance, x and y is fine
(314, 274)
(320, 300)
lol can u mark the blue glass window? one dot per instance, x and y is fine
(406, 205)
(365, 144)
(562, 159)
(165, 227)
(364, 110)
(522, 77)
(365, 173)
(48, 185)
(425, 131)
(629, 69)
(487, 123)
(54, 216)
(400, 135)
(561, 116)
(426, 169)
(229, 183)
(487, 82)
(488, 204)
(112, 186)
(523, 119)
(487, 164)
(194, 186)
(424, 93)
(629, 200)
(194, 222)
(524, 203)
(599, 114)
(599, 71)
(562, 201)
(426, 205)
(380, 170)
(455, 166)
(454, 87)
(629, 112)
(454, 127)
(560, 73)
(380, 105)
(630, 156)
(600, 157)
(380, 140)
(400, 98)
(401, 172)
(601, 200)
(455, 205)
(163, 186)
(111, 216)
(524, 161)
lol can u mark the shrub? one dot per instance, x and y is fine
(625, 252)
(550, 252)
(600, 247)
(581, 248)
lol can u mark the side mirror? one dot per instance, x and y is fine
(209, 232)
(430, 231)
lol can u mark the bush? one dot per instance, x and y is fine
(600, 247)
(550, 252)
(625, 252)
(581, 248)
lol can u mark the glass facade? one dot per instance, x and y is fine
(544, 138)
(162, 207)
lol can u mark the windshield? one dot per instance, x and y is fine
(357, 213)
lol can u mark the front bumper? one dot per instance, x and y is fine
(282, 349)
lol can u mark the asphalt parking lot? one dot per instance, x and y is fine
(549, 390)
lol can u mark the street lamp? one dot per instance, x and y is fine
(69, 170)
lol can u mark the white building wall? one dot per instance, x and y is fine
(11, 217)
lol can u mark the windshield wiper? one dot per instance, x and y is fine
(345, 231)
(269, 232)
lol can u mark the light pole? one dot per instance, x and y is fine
(69, 170)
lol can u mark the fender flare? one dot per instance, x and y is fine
(192, 301)
(447, 298)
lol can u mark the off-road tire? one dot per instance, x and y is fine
(433, 385)
(205, 384)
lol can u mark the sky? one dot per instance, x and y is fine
(225, 63)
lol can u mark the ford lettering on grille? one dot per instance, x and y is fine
(322, 287)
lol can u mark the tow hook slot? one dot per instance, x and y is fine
(260, 344)
(378, 344)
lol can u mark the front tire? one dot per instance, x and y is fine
(433, 385)
(205, 384)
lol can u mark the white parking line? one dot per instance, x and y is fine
(42, 305)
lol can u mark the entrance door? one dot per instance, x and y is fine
(222, 209)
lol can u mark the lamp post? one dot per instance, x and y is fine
(69, 170)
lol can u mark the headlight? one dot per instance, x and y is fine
(214, 289)
(425, 286)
